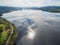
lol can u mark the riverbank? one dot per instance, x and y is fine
(8, 32)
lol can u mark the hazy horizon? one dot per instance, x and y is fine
(29, 3)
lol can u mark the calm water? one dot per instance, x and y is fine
(36, 27)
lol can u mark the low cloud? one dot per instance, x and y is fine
(30, 3)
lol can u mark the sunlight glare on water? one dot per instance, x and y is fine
(31, 34)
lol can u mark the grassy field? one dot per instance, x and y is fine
(2, 27)
(3, 34)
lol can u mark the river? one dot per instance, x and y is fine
(36, 27)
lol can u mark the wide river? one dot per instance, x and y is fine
(35, 27)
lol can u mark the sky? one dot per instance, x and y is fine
(29, 3)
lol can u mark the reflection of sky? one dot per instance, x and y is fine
(29, 2)
(46, 27)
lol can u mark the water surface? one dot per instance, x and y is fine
(36, 27)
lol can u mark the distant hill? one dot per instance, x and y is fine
(54, 9)
(5, 9)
